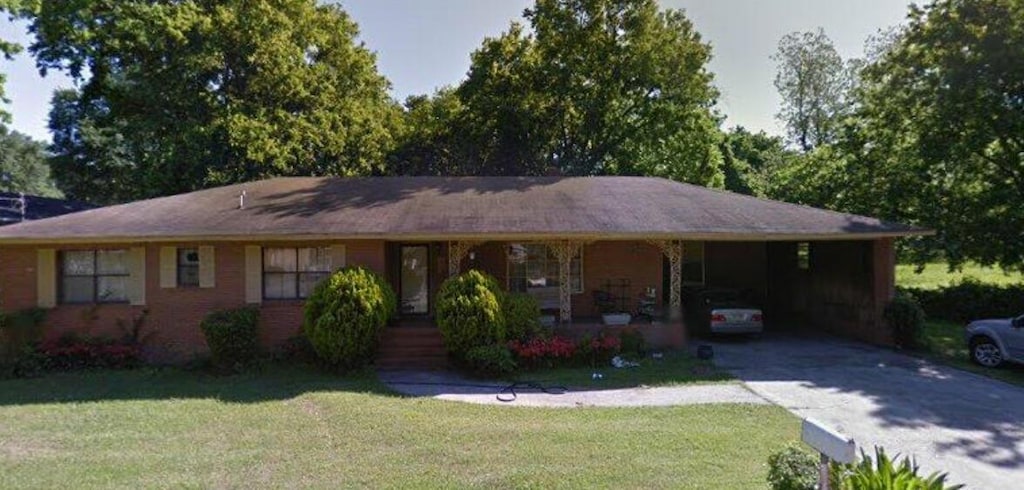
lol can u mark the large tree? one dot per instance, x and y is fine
(813, 81)
(940, 128)
(593, 87)
(181, 94)
(23, 165)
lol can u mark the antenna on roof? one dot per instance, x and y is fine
(241, 200)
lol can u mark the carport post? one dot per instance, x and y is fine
(673, 250)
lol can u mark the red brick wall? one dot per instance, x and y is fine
(844, 290)
(171, 329)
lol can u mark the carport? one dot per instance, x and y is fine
(836, 285)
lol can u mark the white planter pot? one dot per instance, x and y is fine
(616, 318)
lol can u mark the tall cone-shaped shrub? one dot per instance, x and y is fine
(345, 316)
(469, 313)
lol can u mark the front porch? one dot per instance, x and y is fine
(574, 281)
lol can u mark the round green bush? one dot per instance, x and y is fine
(233, 337)
(345, 315)
(905, 320)
(522, 316)
(792, 468)
(469, 313)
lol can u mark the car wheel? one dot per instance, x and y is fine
(986, 353)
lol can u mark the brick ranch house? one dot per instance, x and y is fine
(267, 243)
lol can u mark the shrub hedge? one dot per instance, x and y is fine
(970, 300)
(469, 313)
(345, 316)
(232, 336)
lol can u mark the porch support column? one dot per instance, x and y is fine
(456, 252)
(673, 250)
(565, 250)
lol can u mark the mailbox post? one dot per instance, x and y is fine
(832, 445)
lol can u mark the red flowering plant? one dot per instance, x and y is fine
(547, 352)
(71, 352)
(600, 349)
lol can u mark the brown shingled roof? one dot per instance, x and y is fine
(456, 208)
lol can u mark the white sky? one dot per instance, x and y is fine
(422, 45)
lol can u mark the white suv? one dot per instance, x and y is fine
(992, 342)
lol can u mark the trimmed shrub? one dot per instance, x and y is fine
(19, 331)
(792, 468)
(232, 336)
(905, 320)
(491, 360)
(522, 316)
(969, 300)
(345, 316)
(469, 313)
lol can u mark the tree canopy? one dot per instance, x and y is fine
(940, 130)
(179, 95)
(23, 165)
(593, 87)
(814, 82)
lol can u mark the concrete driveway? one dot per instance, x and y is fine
(967, 425)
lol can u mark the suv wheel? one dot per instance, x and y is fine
(986, 353)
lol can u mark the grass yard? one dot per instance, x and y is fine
(675, 368)
(290, 426)
(944, 341)
(937, 274)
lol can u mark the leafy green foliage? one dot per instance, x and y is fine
(255, 88)
(940, 129)
(594, 87)
(23, 165)
(905, 319)
(792, 468)
(469, 313)
(969, 300)
(885, 473)
(632, 343)
(346, 314)
(522, 316)
(491, 360)
(813, 81)
(19, 330)
(233, 337)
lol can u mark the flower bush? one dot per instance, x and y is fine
(72, 353)
(600, 349)
(543, 352)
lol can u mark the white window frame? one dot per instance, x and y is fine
(298, 272)
(96, 275)
(508, 266)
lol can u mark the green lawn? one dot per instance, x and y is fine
(296, 427)
(937, 274)
(675, 368)
(944, 342)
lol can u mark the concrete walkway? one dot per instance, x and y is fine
(952, 421)
(449, 386)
